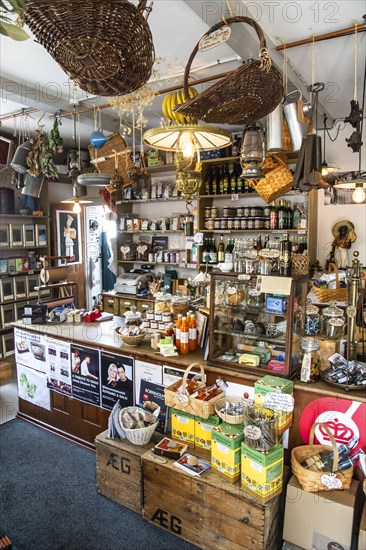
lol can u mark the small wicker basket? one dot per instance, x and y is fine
(276, 183)
(300, 264)
(227, 417)
(309, 480)
(329, 294)
(138, 436)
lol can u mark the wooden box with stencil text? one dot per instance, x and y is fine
(119, 470)
(208, 511)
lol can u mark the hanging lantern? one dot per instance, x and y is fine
(253, 152)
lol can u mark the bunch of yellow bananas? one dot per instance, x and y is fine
(171, 101)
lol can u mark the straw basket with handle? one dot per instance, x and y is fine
(244, 95)
(276, 182)
(311, 481)
(175, 396)
(329, 294)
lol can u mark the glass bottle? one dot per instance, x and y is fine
(177, 331)
(184, 337)
(309, 363)
(323, 461)
(213, 252)
(208, 181)
(285, 256)
(192, 333)
(235, 147)
(282, 215)
(234, 178)
(229, 252)
(273, 216)
(225, 180)
(333, 322)
(221, 250)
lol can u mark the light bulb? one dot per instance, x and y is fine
(186, 145)
(325, 169)
(358, 194)
(76, 208)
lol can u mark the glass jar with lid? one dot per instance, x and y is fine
(312, 320)
(309, 362)
(162, 302)
(132, 317)
(256, 298)
(179, 304)
(333, 322)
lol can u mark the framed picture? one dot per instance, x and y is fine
(68, 235)
(7, 344)
(20, 287)
(41, 235)
(4, 235)
(16, 235)
(31, 282)
(28, 235)
(7, 315)
(6, 290)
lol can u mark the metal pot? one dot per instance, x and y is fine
(297, 129)
(18, 163)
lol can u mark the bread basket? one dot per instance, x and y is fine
(131, 341)
(138, 436)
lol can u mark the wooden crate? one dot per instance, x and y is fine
(119, 470)
(208, 511)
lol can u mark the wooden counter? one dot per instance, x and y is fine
(82, 421)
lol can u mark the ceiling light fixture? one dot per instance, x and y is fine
(187, 140)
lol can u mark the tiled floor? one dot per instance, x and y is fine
(8, 399)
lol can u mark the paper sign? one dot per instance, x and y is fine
(276, 285)
(331, 481)
(279, 401)
(269, 253)
(198, 238)
(215, 38)
(252, 432)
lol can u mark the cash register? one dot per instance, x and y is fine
(132, 282)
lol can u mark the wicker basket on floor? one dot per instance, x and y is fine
(106, 47)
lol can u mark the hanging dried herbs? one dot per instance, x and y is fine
(39, 160)
(56, 141)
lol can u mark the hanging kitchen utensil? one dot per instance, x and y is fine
(244, 95)
(105, 47)
(297, 128)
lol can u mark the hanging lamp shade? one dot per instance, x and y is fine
(206, 138)
(104, 46)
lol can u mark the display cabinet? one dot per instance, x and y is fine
(256, 322)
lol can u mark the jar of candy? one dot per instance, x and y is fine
(333, 322)
(309, 362)
(312, 320)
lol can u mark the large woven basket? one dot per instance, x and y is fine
(116, 156)
(244, 95)
(329, 294)
(309, 480)
(276, 183)
(105, 46)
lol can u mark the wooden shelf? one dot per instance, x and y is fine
(23, 217)
(150, 232)
(272, 231)
(162, 199)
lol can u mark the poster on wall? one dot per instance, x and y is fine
(85, 376)
(30, 349)
(152, 397)
(68, 233)
(146, 371)
(116, 379)
(59, 366)
(32, 387)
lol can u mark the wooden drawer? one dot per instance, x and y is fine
(144, 305)
(208, 511)
(111, 305)
(119, 471)
(125, 304)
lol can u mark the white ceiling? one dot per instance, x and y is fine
(31, 78)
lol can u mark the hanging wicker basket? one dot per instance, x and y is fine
(276, 182)
(244, 95)
(105, 46)
(114, 156)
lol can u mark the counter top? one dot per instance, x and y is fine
(102, 335)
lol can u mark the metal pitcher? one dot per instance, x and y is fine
(297, 129)
(274, 130)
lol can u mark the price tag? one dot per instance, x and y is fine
(279, 401)
(182, 397)
(244, 277)
(198, 238)
(351, 311)
(252, 432)
(215, 38)
(235, 197)
(331, 481)
(305, 367)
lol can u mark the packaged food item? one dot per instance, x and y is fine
(225, 451)
(278, 392)
(262, 472)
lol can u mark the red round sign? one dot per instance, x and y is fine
(345, 419)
